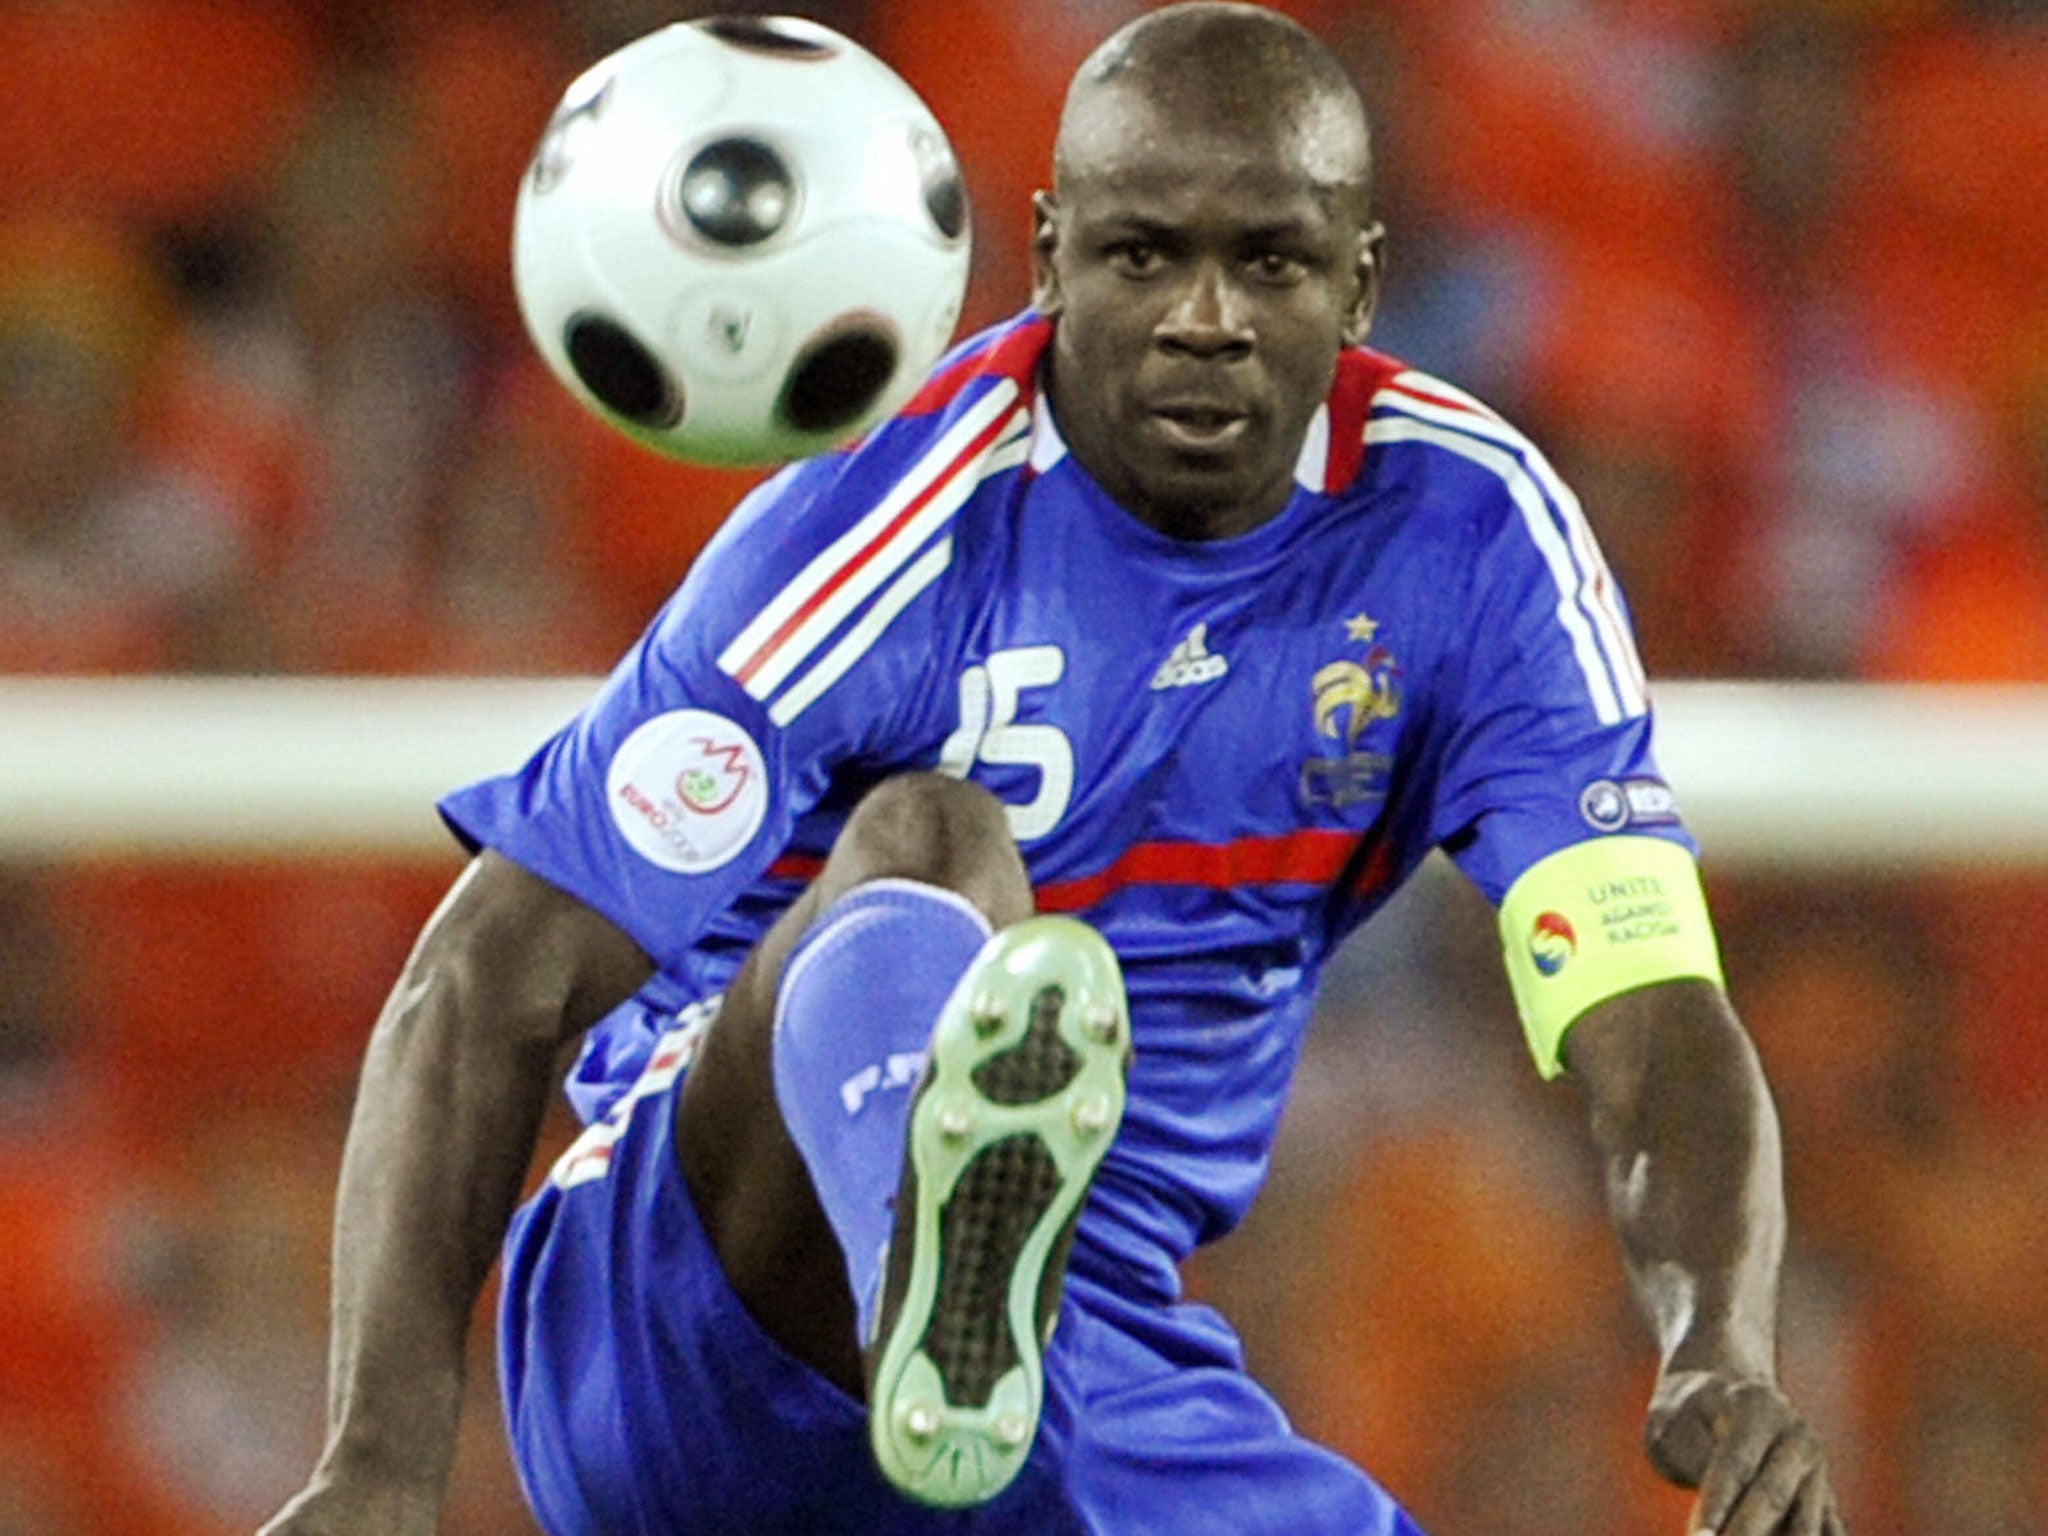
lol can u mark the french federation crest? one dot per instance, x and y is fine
(1348, 696)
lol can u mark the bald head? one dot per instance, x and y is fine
(1206, 252)
(1233, 71)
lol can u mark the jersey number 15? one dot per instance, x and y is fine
(988, 733)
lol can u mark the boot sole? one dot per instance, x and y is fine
(1022, 1095)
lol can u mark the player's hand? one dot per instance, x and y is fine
(1757, 1463)
(335, 1506)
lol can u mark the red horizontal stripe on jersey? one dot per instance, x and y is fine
(1298, 858)
(874, 546)
(1312, 857)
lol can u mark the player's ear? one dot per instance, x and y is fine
(1045, 239)
(1369, 267)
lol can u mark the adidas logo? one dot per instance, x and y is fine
(1190, 662)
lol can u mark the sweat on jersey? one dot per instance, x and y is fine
(1225, 755)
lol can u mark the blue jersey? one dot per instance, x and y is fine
(1226, 755)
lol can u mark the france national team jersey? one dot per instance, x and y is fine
(1225, 755)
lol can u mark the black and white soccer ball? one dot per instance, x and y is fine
(742, 240)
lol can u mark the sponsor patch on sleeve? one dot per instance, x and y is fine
(688, 790)
(1598, 919)
(1611, 804)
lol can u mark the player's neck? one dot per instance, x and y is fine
(1193, 523)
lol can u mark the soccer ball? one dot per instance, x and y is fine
(742, 240)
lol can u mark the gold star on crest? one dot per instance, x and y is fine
(1359, 627)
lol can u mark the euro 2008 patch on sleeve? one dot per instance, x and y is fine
(688, 790)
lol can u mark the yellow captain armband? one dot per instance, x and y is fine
(1598, 919)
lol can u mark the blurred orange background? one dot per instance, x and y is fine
(1767, 279)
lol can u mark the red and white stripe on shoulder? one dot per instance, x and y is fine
(1011, 354)
(1412, 384)
(1334, 449)
(879, 550)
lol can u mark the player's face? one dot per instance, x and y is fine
(1203, 284)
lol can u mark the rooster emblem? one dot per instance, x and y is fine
(1358, 693)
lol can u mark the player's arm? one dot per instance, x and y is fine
(1689, 1141)
(1549, 797)
(457, 1073)
(1617, 979)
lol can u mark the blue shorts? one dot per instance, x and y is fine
(644, 1400)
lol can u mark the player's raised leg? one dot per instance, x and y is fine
(752, 1188)
(797, 1126)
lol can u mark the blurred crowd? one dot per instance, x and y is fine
(1767, 279)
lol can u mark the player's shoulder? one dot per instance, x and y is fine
(1437, 450)
(1003, 358)
(1508, 527)
(819, 564)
